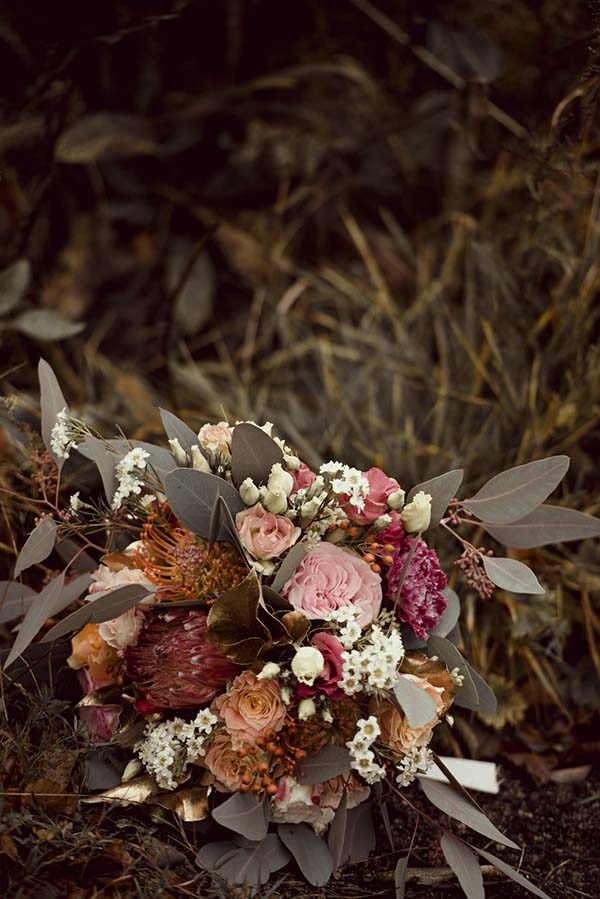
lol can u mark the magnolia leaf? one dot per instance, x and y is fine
(400, 877)
(136, 792)
(52, 402)
(253, 454)
(14, 281)
(441, 489)
(450, 615)
(104, 135)
(244, 814)
(189, 803)
(360, 840)
(310, 852)
(102, 607)
(514, 493)
(509, 574)
(464, 863)
(234, 614)
(337, 831)
(176, 429)
(417, 705)
(328, 762)
(546, 524)
(452, 803)
(467, 695)
(505, 868)
(38, 545)
(105, 462)
(288, 566)
(192, 494)
(15, 599)
(241, 861)
(47, 604)
(46, 325)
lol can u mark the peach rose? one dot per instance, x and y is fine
(228, 767)
(395, 730)
(251, 708)
(263, 534)
(91, 651)
(216, 438)
(329, 578)
(105, 579)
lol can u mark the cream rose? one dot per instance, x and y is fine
(416, 515)
(265, 535)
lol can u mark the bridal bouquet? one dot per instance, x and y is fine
(268, 645)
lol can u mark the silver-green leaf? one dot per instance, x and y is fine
(509, 574)
(38, 545)
(514, 493)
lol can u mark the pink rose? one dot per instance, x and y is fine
(263, 534)
(327, 682)
(250, 709)
(380, 487)
(329, 578)
(303, 478)
(216, 438)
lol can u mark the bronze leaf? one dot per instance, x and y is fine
(190, 803)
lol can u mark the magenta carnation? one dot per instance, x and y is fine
(422, 602)
(172, 663)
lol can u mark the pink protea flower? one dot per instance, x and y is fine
(422, 602)
(172, 663)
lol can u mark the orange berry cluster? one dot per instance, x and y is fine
(279, 758)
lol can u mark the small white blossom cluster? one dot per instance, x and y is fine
(362, 757)
(418, 761)
(170, 746)
(132, 464)
(458, 679)
(374, 667)
(346, 481)
(61, 435)
(350, 630)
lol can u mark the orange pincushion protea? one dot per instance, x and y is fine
(181, 564)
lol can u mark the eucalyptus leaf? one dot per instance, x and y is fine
(337, 831)
(176, 429)
(488, 703)
(464, 863)
(103, 607)
(450, 615)
(514, 493)
(52, 402)
(14, 281)
(47, 604)
(546, 524)
(253, 454)
(15, 599)
(452, 803)
(309, 850)
(328, 762)
(505, 868)
(241, 861)
(244, 814)
(105, 462)
(467, 695)
(416, 704)
(46, 325)
(400, 873)
(38, 545)
(192, 494)
(509, 574)
(360, 838)
(293, 558)
(441, 489)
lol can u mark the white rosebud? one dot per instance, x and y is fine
(179, 454)
(396, 499)
(199, 462)
(326, 716)
(308, 664)
(416, 515)
(292, 462)
(132, 769)
(270, 670)
(310, 508)
(274, 501)
(279, 479)
(306, 709)
(249, 492)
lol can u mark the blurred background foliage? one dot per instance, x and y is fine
(373, 223)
